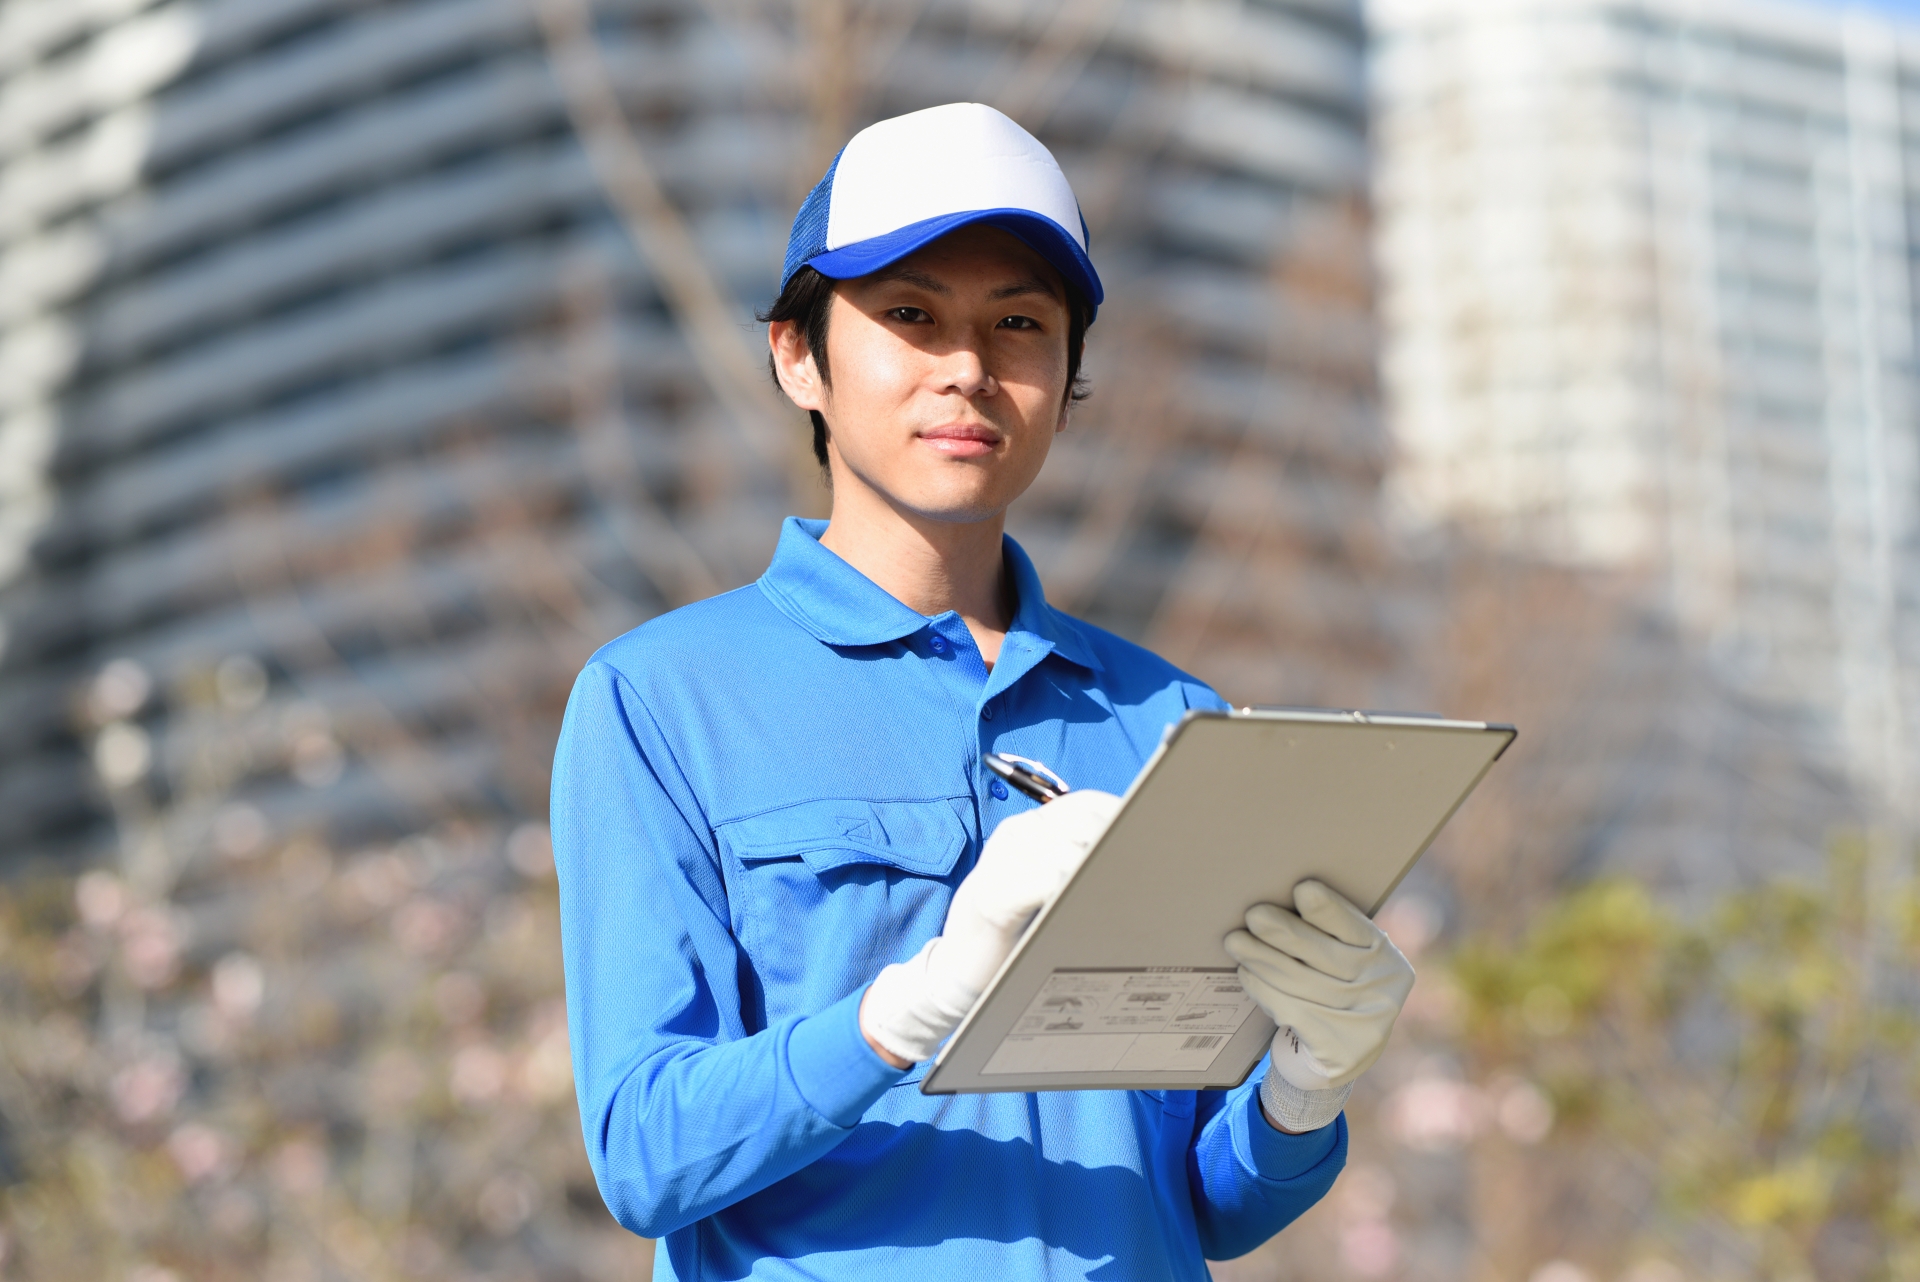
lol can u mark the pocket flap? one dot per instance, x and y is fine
(923, 837)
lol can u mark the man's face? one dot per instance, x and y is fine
(949, 376)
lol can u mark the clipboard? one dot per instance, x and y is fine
(1121, 982)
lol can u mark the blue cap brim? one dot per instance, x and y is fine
(1041, 234)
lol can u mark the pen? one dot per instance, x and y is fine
(1030, 783)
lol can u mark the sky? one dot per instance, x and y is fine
(1907, 8)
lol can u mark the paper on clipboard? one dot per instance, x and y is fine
(1122, 982)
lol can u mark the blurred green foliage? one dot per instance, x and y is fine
(1755, 1061)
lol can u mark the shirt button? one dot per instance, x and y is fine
(987, 712)
(937, 644)
(998, 789)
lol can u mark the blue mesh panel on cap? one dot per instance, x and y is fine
(809, 234)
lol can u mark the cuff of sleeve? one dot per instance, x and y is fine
(1271, 1153)
(833, 1067)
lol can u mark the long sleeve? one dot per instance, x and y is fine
(1248, 1181)
(685, 1110)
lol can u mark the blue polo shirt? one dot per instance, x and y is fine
(759, 801)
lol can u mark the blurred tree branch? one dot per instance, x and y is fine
(726, 359)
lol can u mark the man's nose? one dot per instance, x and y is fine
(964, 371)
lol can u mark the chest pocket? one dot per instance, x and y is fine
(923, 837)
(823, 894)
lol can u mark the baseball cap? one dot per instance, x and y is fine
(904, 183)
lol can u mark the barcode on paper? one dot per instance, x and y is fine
(1131, 1021)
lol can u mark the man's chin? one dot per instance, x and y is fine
(953, 492)
(970, 515)
(948, 508)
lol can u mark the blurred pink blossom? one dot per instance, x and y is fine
(1369, 1248)
(1435, 1002)
(148, 1088)
(239, 986)
(379, 881)
(459, 997)
(318, 761)
(1368, 1244)
(1365, 1191)
(200, 1152)
(150, 942)
(119, 690)
(239, 831)
(76, 960)
(1522, 1109)
(424, 925)
(547, 1073)
(1411, 921)
(479, 1073)
(1433, 1114)
(100, 898)
(530, 851)
(300, 1166)
(1560, 1271)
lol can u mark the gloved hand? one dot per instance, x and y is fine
(1334, 983)
(915, 1005)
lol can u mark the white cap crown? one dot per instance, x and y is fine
(954, 159)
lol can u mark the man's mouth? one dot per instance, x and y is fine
(962, 440)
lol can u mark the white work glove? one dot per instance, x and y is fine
(1334, 983)
(916, 1004)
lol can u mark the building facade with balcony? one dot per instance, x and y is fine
(1648, 306)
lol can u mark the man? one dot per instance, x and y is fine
(785, 874)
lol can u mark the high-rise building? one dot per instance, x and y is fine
(1648, 274)
(342, 412)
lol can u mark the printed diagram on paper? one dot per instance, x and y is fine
(1125, 1021)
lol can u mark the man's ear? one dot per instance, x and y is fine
(1066, 412)
(1066, 405)
(794, 366)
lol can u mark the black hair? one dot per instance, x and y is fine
(808, 299)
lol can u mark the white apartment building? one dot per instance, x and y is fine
(1648, 297)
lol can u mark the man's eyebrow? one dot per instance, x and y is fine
(934, 285)
(1031, 285)
(908, 275)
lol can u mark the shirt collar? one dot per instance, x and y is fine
(1032, 614)
(841, 606)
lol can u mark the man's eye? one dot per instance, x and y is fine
(1019, 322)
(908, 315)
